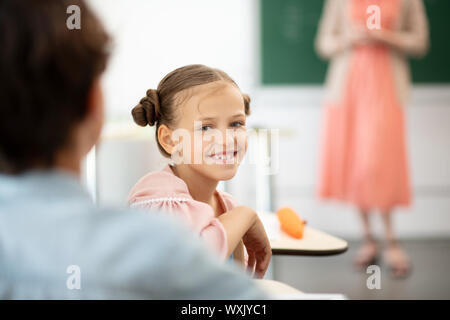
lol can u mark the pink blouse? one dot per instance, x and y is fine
(163, 191)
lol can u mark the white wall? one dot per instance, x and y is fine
(153, 37)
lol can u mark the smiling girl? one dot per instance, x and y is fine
(200, 114)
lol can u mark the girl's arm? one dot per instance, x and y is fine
(236, 223)
(243, 223)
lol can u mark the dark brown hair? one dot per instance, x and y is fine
(46, 72)
(158, 106)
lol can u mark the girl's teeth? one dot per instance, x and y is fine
(222, 157)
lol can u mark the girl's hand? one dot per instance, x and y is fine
(258, 248)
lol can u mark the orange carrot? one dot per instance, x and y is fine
(291, 222)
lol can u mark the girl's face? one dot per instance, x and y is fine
(212, 130)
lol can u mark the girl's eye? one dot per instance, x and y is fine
(237, 124)
(206, 128)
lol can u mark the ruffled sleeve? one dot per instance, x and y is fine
(162, 192)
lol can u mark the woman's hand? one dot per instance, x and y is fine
(360, 34)
(258, 248)
(357, 35)
(384, 36)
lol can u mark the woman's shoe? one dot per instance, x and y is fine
(397, 260)
(367, 255)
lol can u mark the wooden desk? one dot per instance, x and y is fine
(313, 243)
(280, 291)
(276, 288)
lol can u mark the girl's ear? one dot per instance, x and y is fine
(165, 138)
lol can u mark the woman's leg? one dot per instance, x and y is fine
(368, 252)
(394, 255)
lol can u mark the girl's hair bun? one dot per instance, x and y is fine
(246, 104)
(146, 112)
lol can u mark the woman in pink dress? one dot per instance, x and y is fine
(364, 150)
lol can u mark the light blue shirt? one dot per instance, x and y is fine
(53, 239)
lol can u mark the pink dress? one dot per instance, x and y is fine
(364, 158)
(163, 191)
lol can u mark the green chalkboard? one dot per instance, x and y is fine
(288, 29)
